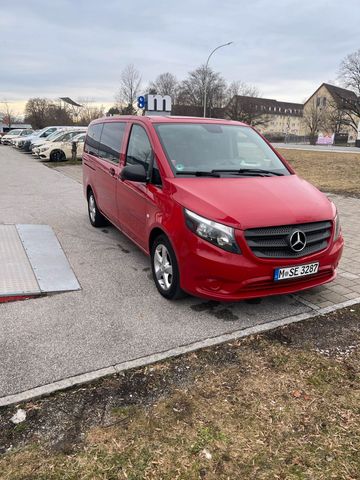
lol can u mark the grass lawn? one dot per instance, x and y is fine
(329, 171)
(283, 405)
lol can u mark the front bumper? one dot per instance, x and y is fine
(35, 151)
(44, 155)
(209, 272)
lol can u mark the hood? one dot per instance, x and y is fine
(254, 201)
(39, 142)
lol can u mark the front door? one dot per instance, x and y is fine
(132, 197)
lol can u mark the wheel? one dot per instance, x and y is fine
(57, 156)
(96, 218)
(165, 269)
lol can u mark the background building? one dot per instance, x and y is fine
(330, 111)
(270, 117)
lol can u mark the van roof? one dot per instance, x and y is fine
(167, 119)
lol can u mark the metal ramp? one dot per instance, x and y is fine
(32, 263)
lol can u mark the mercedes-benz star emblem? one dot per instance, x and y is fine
(297, 241)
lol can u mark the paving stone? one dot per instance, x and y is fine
(352, 295)
(334, 297)
(342, 290)
(325, 304)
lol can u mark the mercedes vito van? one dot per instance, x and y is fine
(222, 215)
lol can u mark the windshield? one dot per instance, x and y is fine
(40, 132)
(205, 147)
(51, 136)
(79, 138)
(14, 132)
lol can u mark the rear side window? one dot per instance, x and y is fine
(48, 132)
(139, 149)
(93, 139)
(110, 143)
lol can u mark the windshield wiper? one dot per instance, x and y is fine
(249, 171)
(199, 173)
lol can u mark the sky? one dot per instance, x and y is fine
(78, 48)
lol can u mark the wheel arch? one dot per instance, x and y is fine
(156, 232)
(88, 190)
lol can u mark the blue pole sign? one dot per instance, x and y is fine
(141, 103)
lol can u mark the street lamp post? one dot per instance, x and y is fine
(206, 67)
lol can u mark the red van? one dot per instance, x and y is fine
(222, 215)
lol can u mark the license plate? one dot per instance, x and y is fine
(296, 271)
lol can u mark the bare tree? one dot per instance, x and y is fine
(241, 88)
(338, 117)
(191, 90)
(89, 111)
(349, 75)
(165, 84)
(130, 82)
(113, 111)
(7, 114)
(315, 119)
(349, 72)
(42, 112)
(243, 104)
(36, 110)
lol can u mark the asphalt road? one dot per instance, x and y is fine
(118, 315)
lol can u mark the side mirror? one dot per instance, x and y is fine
(134, 173)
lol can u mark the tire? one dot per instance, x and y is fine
(57, 156)
(165, 269)
(96, 218)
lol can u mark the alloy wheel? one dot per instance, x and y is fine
(163, 267)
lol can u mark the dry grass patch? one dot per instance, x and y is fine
(330, 171)
(272, 413)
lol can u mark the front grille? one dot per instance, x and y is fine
(273, 242)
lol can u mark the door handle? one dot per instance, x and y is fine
(112, 171)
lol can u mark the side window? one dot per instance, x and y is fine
(93, 138)
(110, 143)
(48, 132)
(139, 149)
(65, 137)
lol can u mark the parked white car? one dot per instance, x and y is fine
(18, 142)
(56, 130)
(79, 140)
(40, 134)
(6, 139)
(21, 136)
(58, 148)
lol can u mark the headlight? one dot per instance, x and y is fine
(337, 227)
(42, 149)
(216, 233)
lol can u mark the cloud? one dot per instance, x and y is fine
(79, 48)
